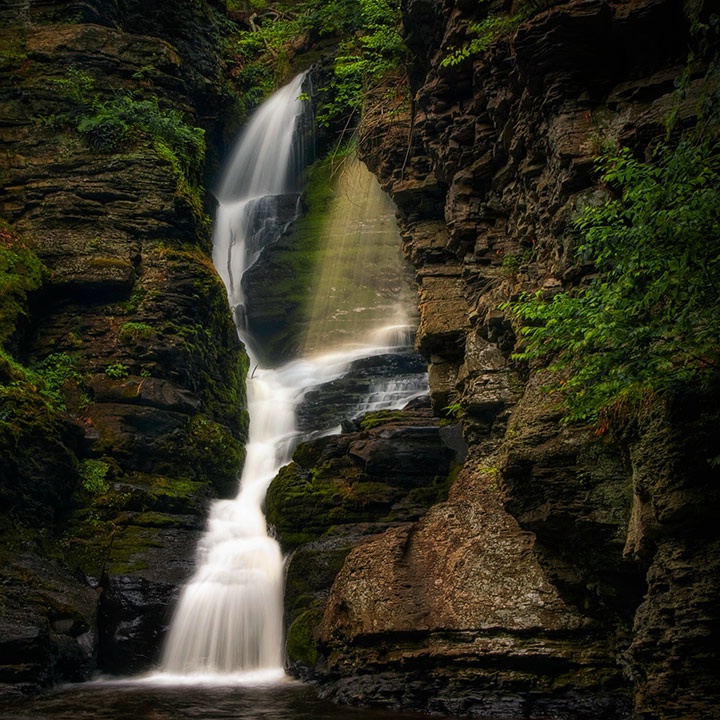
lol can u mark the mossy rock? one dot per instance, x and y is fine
(304, 504)
(96, 536)
(38, 465)
(177, 495)
(384, 417)
(300, 646)
(311, 571)
(212, 454)
(277, 310)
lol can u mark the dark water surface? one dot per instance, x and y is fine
(140, 701)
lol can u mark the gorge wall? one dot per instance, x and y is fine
(496, 563)
(568, 573)
(122, 408)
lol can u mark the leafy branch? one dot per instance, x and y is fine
(649, 319)
(368, 40)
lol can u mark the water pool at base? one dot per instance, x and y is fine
(286, 700)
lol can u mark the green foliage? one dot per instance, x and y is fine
(263, 56)
(76, 85)
(47, 380)
(21, 272)
(54, 374)
(93, 475)
(108, 123)
(369, 41)
(117, 371)
(649, 321)
(363, 59)
(483, 34)
(453, 411)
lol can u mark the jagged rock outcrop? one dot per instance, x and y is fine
(556, 580)
(383, 471)
(136, 418)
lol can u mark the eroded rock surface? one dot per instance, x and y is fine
(110, 477)
(555, 580)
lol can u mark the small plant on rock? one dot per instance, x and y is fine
(117, 371)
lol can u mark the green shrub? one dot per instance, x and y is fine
(21, 272)
(56, 372)
(369, 40)
(649, 320)
(107, 123)
(93, 475)
(117, 371)
(363, 58)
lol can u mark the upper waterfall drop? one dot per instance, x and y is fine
(259, 190)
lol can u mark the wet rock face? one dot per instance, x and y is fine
(428, 616)
(112, 476)
(343, 400)
(388, 467)
(49, 621)
(341, 490)
(136, 603)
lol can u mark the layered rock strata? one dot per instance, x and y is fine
(556, 579)
(383, 471)
(105, 485)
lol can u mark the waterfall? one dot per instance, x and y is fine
(259, 183)
(228, 619)
(229, 615)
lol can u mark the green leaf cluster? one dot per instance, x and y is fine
(648, 320)
(117, 371)
(483, 34)
(93, 474)
(107, 123)
(46, 381)
(263, 55)
(54, 374)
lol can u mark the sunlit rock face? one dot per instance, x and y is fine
(556, 578)
(336, 278)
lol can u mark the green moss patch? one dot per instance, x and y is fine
(39, 467)
(21, 272)
(303, 504)
(300, 645)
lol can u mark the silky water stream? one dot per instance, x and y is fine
(223, 657)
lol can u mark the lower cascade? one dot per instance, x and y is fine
(228, 619)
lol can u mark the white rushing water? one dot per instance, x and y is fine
(229, 616)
